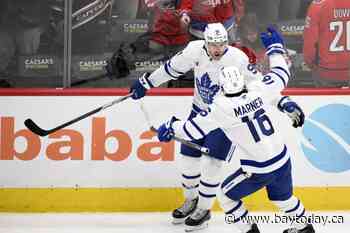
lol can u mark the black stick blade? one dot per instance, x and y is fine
(30, 124)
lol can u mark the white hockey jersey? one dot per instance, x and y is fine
(247, 121)
(206, 70)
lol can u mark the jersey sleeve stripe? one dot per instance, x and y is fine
(148, 82)
(274, 49)
(265, 163)
(166, 67)
(180, 73)
(170, 71)
(230, 153)
(276, 45)
(192, 130)
(196, 108)
(197, 127)
(187, 133)
(283, 70)
(279, 76)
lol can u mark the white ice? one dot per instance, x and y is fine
(137, 223)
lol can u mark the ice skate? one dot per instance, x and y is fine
(187, 208)
(198, 220)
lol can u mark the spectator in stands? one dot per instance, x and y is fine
(250, 43)
(198, 13)
(164, 38)
(166, 29)
(248, 32)
(271, 11)
(24, 21)
(326, 42)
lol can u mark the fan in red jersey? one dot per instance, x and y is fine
(198, 13)
(166, 29)
(327, 42)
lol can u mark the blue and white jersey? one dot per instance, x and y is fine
(206, 70)
(247, 121)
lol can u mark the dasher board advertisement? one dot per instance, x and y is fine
(115, 148)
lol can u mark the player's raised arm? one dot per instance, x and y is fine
(274, 45)
(174, 68)
(277, 79)
(279, 74)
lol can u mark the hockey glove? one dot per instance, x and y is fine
(292, 110)
(273, 41)
(166, 131)
(140, 86)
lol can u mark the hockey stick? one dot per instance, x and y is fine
(32, 126)
(202, 149)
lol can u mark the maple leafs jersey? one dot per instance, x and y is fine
(247, 121)
(206, 70)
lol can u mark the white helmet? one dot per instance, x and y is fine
(215, 33)
(231, 80)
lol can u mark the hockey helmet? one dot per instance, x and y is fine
(231, 80)
(215, 33)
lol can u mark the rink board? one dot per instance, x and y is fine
(111, 162)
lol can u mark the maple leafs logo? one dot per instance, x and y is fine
(205, 89)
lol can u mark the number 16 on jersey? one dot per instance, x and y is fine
(263, 122)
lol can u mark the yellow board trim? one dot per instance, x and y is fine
(148, 199)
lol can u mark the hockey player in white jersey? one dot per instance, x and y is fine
(201, 175)
(243, 111)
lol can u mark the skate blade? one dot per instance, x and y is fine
(177, 221)
(196, 228)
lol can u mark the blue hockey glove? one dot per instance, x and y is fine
(166, 131)
(140, 86)
(272, 41)
(293, 111)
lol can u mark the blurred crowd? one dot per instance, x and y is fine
(126, 38)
